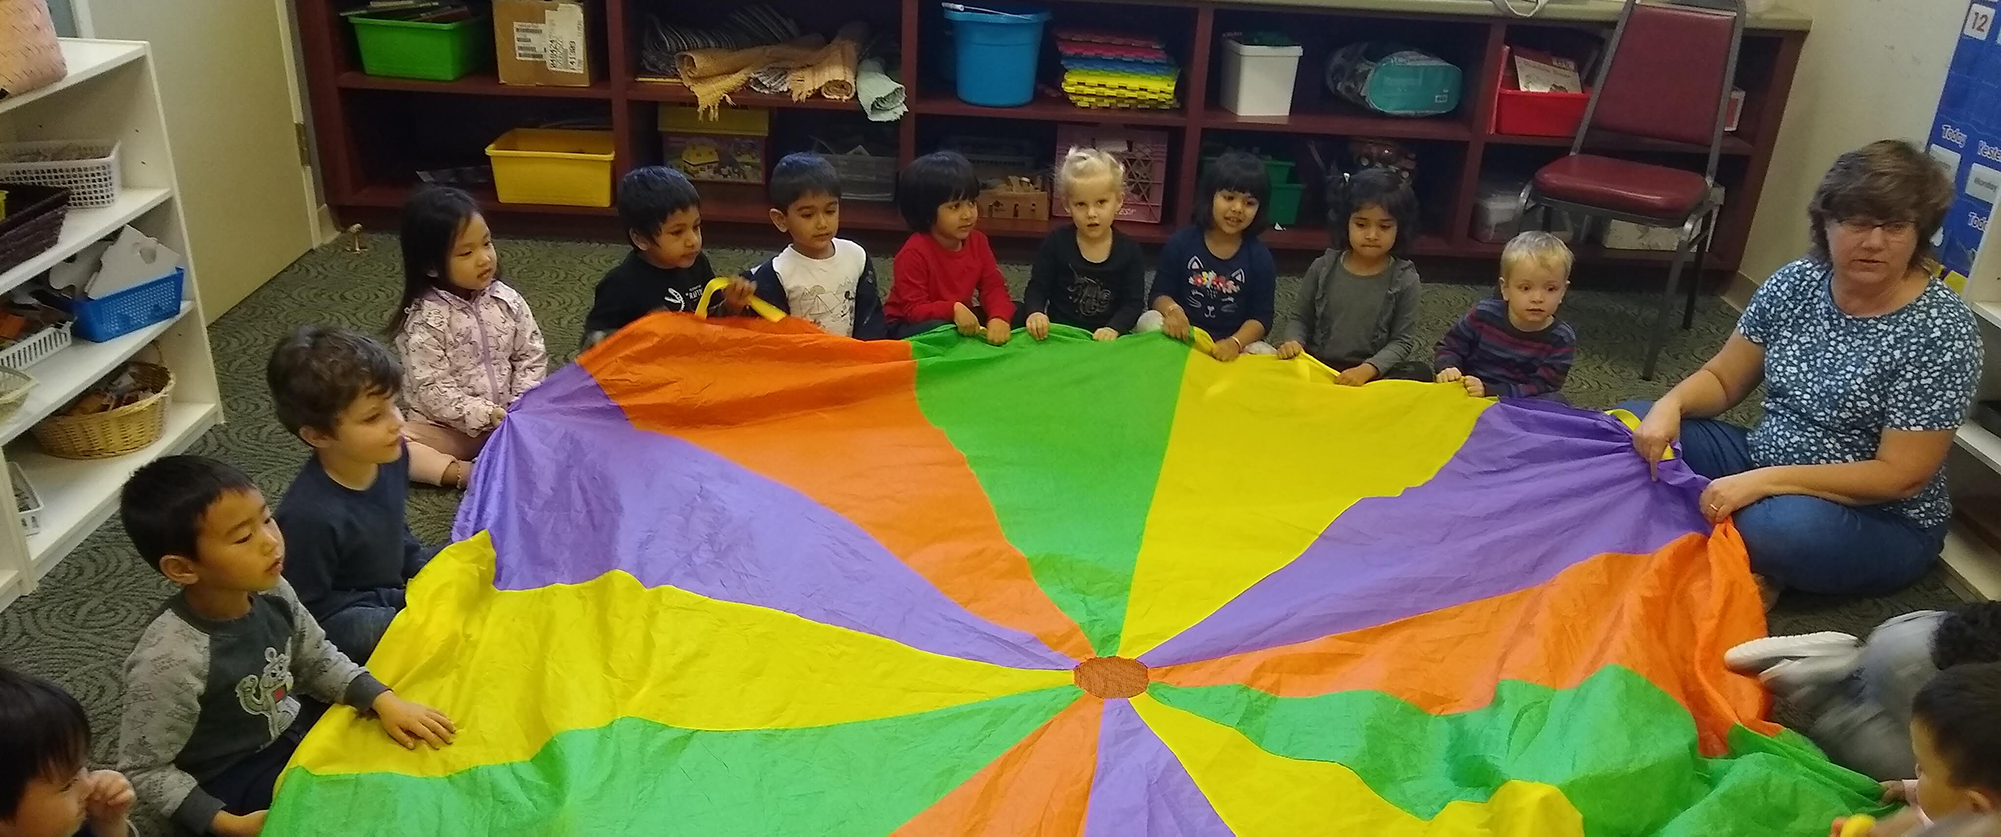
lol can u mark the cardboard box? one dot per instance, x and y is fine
(1015, 199)
(546, 43)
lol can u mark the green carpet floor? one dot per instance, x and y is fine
(79, 626)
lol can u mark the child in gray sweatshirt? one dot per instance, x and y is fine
(1357, 310)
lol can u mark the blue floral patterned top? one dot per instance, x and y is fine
(1834, 382)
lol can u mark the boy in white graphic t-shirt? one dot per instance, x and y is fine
(822, 279)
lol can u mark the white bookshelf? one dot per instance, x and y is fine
(1976, 464)
(109, 93)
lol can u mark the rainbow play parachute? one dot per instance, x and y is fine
(731, 578)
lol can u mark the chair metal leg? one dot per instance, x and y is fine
(1701, 263)
(1658, 336)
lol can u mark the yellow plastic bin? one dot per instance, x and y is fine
(559, 166)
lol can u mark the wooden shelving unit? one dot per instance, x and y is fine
(109, 92)
(367, 176)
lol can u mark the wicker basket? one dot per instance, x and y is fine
(34, 222)
(113, 432)
(14, 386)
(87, 168)
(30, 56)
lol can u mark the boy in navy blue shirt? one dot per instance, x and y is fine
(352, 549)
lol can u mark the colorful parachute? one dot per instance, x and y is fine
(729, 578)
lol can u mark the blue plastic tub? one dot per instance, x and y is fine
(129, 310)
(997, 55)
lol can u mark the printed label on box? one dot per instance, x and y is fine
(564, 35)
(530, 41)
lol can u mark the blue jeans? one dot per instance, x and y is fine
(1808, 543)
(356, 630)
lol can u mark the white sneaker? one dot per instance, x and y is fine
(1759, 654)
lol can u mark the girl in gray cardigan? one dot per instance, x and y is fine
(1357, 311)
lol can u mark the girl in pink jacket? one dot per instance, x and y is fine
(470, 345)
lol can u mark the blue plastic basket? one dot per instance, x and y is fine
(129, 310)
(997, 55)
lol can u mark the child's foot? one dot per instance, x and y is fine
(1804, 681)
(1760, 654)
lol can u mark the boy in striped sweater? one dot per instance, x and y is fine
(1515, 347)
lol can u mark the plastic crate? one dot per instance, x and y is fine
(1284, 207)
(129, 310)
(420, 49)
(34, 222)
(864, 176)
(560, 166)
(1144, 154)
(36, 349)
(27, 501)
(87, 168)
(1520, 113)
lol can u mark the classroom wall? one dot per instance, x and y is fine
(1871, 69)
(65, 18)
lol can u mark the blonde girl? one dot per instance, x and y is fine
(1090, 276)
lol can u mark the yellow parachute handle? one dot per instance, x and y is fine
(763, 309)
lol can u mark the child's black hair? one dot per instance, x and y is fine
(432, 221)
(648, 194)
(163, 503)
(317, 371)
(931, 181)
(799, 175)
(1961, 707)
(1970, 634)
(1235, 171)
(43, 735)
(1372, 186)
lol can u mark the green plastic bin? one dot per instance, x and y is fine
(1279, 171)
(432, 51)
(1284, 208)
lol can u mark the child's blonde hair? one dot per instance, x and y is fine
(1080, 164)
(1541, 248)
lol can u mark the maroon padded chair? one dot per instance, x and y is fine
(1666, 75)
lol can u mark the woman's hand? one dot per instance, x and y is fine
(1658, 430)
(1227, 349)
(963, 319)
(1289, 349)
(1037, 326)
(1174, 322)
(998, 332)
(1725, 496)
(1357, 375)
(1105, 335)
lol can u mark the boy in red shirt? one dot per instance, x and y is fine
(946, 272)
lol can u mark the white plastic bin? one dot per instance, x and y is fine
(1257, 80)
(1496, 214)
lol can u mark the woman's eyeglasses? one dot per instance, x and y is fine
(1893, 229)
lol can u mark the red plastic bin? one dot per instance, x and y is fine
(1539, 114)
(1526, 114)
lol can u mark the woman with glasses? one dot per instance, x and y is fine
(1869, 366)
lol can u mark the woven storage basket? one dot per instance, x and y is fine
(34, 221)
(30, 55)
(14, 386)
(112, 432)
(87, 168)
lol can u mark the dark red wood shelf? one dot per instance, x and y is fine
(1344, 122)
(1046, 109)
(1143, 233)
(658, 91)
(1733, 146)
(365, 153)
(477, 84)
(394, 195)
